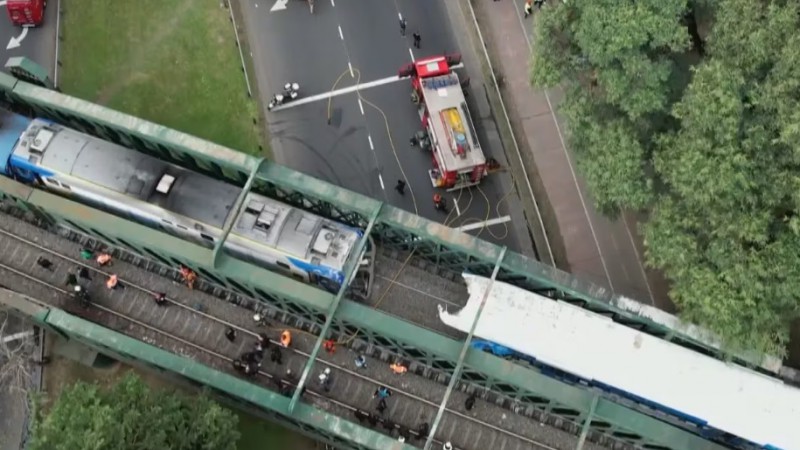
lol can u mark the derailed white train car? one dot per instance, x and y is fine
(721, 401)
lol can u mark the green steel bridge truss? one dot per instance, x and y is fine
(393, 228)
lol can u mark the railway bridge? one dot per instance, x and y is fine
(417, 267)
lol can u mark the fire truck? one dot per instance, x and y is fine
(26, 13)
(458, 160)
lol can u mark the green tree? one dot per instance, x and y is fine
(700, 129)
(131, 416)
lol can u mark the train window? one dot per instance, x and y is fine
(66, 186)
(299, 277)
(166, 222)
(182, 227)
(207, 237)
(283, 265)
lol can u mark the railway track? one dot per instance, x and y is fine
(201, 338)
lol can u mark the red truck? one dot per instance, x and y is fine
(26, 13)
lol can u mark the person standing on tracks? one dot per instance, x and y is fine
(86, 254)
(361, 362)
(230, 334)
(72, 280)
(188, 275)
(325, 379)
(103, 259)
(276, 355)
(381, 406)
(113, 282)
(330, 346)
(470, 402)
(160, 298)
(83, 272)
(382, 392)
(44, 263)
(398, 368)
(286, 338)
(423, 429)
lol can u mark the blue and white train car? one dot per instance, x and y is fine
(713, 398)
(182, 202)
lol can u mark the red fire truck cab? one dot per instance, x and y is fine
(26, 13)
(458, 159)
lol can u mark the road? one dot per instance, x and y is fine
(37, 44)
(359, 140)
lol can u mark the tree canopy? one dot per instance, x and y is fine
(131, 416)
(689, 110)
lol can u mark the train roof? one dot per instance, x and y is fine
(190, 194)
(451, 121)
(727, 396)
(292, 230)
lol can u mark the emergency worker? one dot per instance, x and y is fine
(286, 338)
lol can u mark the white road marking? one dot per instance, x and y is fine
(411, 52)
(380, 178)
(350, 66)
(487, 223)
(341, 35)
(346, 90)
(458, 210)
(278, 6)
(399, 16)
(361, 106)
(333, 4)
(371, 147)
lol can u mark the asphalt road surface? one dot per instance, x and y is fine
(360, 140)
(37, 44)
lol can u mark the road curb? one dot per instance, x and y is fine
(536, 205)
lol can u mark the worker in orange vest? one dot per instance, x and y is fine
(104, 259)
(189, 276)
(286, 338)
(112, 282)
(329, 345)
(398, 368)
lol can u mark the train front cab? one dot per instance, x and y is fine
(11, 128)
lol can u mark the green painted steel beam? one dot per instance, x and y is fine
(320, 189)
(200, 148)
(454, 378)
(234, 212)
(28, 70)
(105, 340)
(24, 305)
(587, 423)
(14, 188)
(351, 267)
